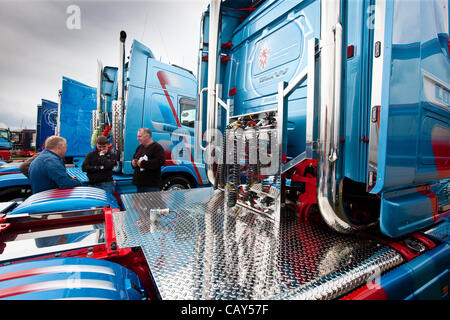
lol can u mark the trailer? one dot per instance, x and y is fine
(74, 108)
(47, 118)
(327, 153)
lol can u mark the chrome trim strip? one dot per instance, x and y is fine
(199, 127)
(310, 96)
(377, 90)
(58, 122)
(285, 167)
(99, 95)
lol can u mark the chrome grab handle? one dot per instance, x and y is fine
(200, 120)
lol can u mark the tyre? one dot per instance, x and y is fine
(176, 183)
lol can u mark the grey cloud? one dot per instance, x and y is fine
(38, 49)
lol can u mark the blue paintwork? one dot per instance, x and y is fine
(123, 182)
(47, 117)
(109, 87)
(13, 180)
(422, 278)
(414, 146)
(77, 198)
(418, 113)
(77, 102)
(78, 278)
(9, 168)
(357, 92)
(407, 210)
(279, 31)
(5, 143)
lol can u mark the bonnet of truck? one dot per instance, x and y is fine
(69, 278)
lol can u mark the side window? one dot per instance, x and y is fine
(187, 112)
(161, 110)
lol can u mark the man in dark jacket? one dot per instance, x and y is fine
(48, 171)
(99, 164)
(147, 162)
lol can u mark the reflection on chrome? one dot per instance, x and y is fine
(205, 250)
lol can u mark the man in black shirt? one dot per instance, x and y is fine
(147, 162)
(99, 165)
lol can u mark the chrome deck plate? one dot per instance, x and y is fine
(202, 250)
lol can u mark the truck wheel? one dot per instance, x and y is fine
(176, 183)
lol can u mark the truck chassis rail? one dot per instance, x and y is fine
(197, 248)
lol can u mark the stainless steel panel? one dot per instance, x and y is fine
(33, 243)
(200, 249)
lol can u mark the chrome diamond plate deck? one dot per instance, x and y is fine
(202, 250)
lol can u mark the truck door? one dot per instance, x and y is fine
(182, 139)
(409, 142)
(159, 118)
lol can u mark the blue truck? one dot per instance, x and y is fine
(72, 112)
(152, 94)
(327, 147)
(155, 95)
(5, 142)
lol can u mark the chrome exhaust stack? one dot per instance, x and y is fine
(123, 37)
(58, 121)
(211, 109)
(118, 105)
(198, 129)
(329, 186)
(97, 115)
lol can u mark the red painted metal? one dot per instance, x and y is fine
(371, 291)
(110, 234)
(309, 197)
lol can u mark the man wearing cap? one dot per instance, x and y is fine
(99, 164)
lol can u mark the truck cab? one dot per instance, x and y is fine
(161, 97)
(326, 149)
(357, 117)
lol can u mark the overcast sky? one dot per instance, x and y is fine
(42, 41)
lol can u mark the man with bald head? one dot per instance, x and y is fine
(48, 171)
(147, 162)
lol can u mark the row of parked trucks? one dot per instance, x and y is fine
(20, 143)
(309, 160)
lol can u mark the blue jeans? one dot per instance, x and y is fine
(147, 189)
(107, 186)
